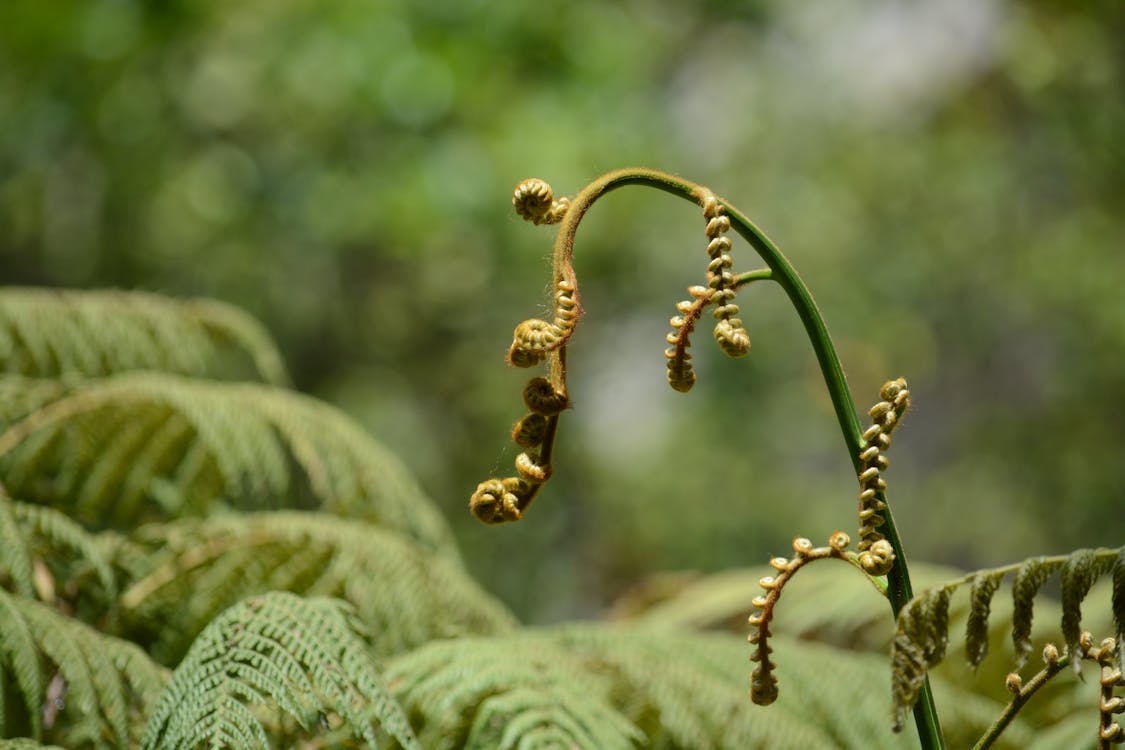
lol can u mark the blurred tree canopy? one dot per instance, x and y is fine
(948, 177)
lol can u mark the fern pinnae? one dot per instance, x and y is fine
(919, 644)
(1118, 605)
(275, 648)
(921, 637)
(15, 552)
(196, 568)
(53, 333)
(192, 446)
(1082, 568)
(107, 681)
(19, 656)
(984, 586)
(1030, 577)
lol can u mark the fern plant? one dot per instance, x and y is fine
(189, 560)
(921, 637)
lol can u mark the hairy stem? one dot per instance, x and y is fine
(899, 590)
(1022, 696)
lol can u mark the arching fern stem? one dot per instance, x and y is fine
(899, 590)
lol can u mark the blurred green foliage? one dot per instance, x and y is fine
(948, 177)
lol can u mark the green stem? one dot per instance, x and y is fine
(899, 590)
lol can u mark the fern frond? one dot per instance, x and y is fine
(104, 684)
(283, 654)
(22, 743)
(51, 333)
(143, 446)
(404, 594)
(514, 692)
(45, 555)
(922, 629)
(681, 690)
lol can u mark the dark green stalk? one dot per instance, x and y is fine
(899, 590)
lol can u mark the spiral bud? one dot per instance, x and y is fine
(873, 462)
(534, 201)
(530, 431)
(878, 559)
(534, 337)
(542, 398)
(494, 502)
(732, 337)
(530, 470)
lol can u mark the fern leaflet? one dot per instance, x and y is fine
(282, 653)
(145, 446)
(51, 333)
(922, 630)
(102, 682)
(402, 592)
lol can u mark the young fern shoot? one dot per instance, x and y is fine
(537, 341)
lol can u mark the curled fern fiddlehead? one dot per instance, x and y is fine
(534, 337)
(498, 500)
(729, 331)
(876, 555)
(763, 683)
(681, 374)
(542, 398)
(534, 201)
(1110, 677)
(530, 431)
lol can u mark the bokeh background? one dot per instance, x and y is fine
(948, 177)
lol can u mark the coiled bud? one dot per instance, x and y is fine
(876, 555)
(530, 431)
(534, 338)
(497, 500)
(530, 470)
(542, 398)
(729, 331)
(681, 373)
(534, 201)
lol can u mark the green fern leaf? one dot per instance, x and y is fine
(277, 653)
(920, 642)
(405, 594)
(53, 333)
(506, 693)
(144, 446)
(37, 538)
(23, 743)
(921, 633)
(681, 690)
(1031, 576)
(102, 682)
(976, 628)
(1081, 570)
